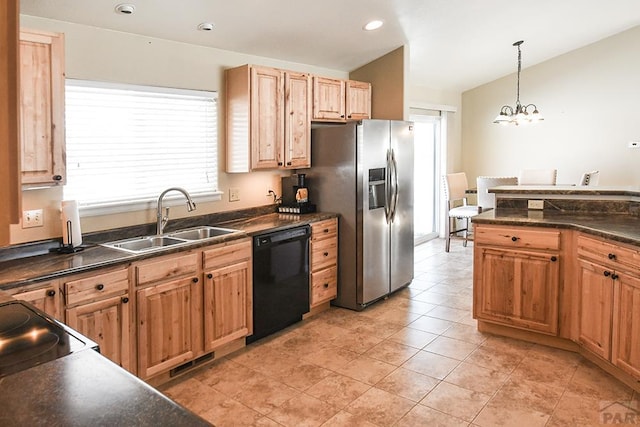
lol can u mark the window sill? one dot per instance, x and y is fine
(168, 201)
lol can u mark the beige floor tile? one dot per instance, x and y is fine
(262, 422)
(448, 313)
(422, 416)
(298, 345)
(232, 413)
(574, 410)
(345, 419)
(523, 394)
(456, 401)
(378, 327)
(450, 347)
(546, 370)
(303, 375)
(411, 305)
(408, 384)
(263, 394)
(338, 390)
(508, 345)
(367, 369)
(432, 297)
(192, 394)
(591, 381)
(303, 410)
(489, 358)
(398, 316)
(431, 364)
(476, 378)
(493, 415)
(226, 377)
(413, 337)
(331, 357)
(392, 352)
(431, 324)
(380, 407)
(464, 332)
(358, 342)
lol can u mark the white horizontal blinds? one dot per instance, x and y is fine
(127, 144)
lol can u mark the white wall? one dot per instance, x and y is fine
(97, 54)
(590, 99)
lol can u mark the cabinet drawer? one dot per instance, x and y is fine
(166, 268)
(324, 285)
(95, 287)
(324, 253)
(228, 253)
(608, 254)
(324, 229)
(518, 237)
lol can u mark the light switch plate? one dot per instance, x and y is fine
(234, 194)
(32, 218)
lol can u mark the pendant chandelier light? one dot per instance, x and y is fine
(521, 114)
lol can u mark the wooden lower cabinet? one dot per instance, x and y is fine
(324, 262)
(626, 324)
(168, 323)
(98, 306)
(518, 288)
(595, 290)
(46, 297)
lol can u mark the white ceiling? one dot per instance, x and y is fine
(454, 44)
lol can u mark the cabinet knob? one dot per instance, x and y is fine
(326, 230)
(326, 285)
(51, 293)
(125, 300)
(194, 280)
(554, 258)
(607, 273)
(100, 286)
(288, 163)
(349, 116)
(342, 116)
(279, 163)
(614, 276)
(326, 254)
(57, 177)
(514, 239)
(209, 276)
(612, 256)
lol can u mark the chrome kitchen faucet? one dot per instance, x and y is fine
(163, 219)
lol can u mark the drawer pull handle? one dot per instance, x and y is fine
(209, 276)
(100, 286)
(614, 276)
(194, 280)
(51, 293)
(57, 177)
(514, 239)
(326, 254)
(607, 273)
(326, 285)
(612, 256)
(554, 259)
(326, 230)
(125, 300)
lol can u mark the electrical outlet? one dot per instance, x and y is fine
(234, 194)
(633, 144)
(535, 204)
(32, 218)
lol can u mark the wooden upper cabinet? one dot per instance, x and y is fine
(329, 99)
(358, 100)
(268, 119)
(42, 108)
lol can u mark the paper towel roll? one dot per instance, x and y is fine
(70, 214)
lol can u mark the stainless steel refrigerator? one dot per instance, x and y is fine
(364, 172)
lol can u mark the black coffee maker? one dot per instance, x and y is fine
(295, 195)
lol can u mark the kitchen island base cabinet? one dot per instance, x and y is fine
(595, 309)
(626, 325)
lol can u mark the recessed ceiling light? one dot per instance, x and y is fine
(125, 9)
(205, 26)
(372, 25)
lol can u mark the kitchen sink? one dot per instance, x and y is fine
(181, 237)
(200, 233)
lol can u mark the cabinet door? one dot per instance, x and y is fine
(42, 108)
(519, 289)
(267, 118)
(358, 100)
(168, 318)
(595, 308)
(107, 323)
(227, 304)
(46, 298)
(328, 99)
(297, 152)
(626, 324)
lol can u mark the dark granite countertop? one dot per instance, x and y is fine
(33, 269)
(582, 191)
(623, 228)
(86, 389)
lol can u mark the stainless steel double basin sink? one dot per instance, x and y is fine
(145, 244)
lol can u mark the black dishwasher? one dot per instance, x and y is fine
(280, 280)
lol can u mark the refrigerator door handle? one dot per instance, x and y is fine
(387, 189)
(394, 186)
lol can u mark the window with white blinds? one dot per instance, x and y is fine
(126, 144)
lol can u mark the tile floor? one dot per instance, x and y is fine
(415, 359)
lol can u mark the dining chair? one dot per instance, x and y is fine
(486, 200)
(590, 178)
(537, 177)
(455, 187)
